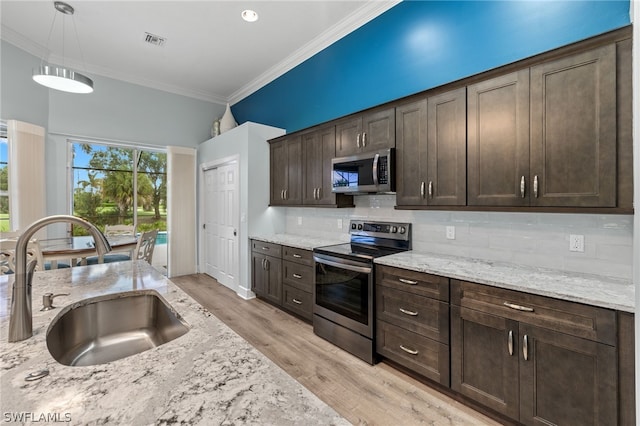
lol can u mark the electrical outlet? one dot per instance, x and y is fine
(299, 220)
(339, 223)
(576, 243)
(451, 232)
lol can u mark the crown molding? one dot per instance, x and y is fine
(352, 22)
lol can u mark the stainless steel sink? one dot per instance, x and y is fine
(107, 328)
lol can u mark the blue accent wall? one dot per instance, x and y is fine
(418, 45)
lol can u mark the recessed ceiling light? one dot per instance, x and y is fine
(249, 15)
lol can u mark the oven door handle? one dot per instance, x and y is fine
(343, 264)
(376, 159)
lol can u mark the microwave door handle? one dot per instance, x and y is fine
(375, 169)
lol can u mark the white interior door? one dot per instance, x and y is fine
(222, 211)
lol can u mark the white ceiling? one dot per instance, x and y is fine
(210, 52)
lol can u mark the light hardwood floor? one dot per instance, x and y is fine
(363, 394)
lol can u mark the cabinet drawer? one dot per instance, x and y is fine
(297, 301)
(298, 276)
(432, 286)
(270, 249)
(297, 255)
(576, 319)
(419, 314)
(418, 353)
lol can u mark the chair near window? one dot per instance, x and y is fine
(118, 230)
(146, 244)
(8, 255)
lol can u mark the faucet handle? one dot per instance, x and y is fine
(47, 300)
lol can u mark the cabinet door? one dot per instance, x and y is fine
(278, 172)
(484, 366)
(348, 134)
(411, 154)
(565, 380)
(313, 167)
(319, 148)
(258, 278)
(573, 130)
(293, 189)
(379, 130)
(273, 279)
(498, 141)
(447, 149)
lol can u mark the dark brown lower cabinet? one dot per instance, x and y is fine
(535, 375)
(267, 277)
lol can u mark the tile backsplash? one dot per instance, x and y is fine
(535, 239)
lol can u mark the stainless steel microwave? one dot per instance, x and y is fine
(364, 173)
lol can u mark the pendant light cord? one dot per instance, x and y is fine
(46, 52)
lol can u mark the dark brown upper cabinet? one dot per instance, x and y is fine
(286, 171)
(573, 130)
(370, 131)
(318, 149)
(431, 151)
(546, 136)
(498, 141)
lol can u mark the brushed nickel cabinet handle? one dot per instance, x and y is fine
(422, 190)
(518, 307)
(510, 342)
(412, 313)
(297, 276)
(525, 347)
(286, 194)
(364, 139)
(296, 301)
(358, 140)
(430, 189)
(263, 267)
(296, 255)
(282, 194)
(410, 282)
(265, 248)
(319, 193)
(409, 351)
(522, 187)
(535, 186)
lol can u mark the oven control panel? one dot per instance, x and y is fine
(393, 230)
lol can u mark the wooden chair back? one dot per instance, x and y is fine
(146, 244)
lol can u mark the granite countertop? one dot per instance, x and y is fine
(589, 289)
(299, 241)
(208, 376)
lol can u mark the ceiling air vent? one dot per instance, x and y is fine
(156, 40)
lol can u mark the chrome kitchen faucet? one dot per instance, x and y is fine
(20, 318)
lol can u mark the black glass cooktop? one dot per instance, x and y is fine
(360, 251)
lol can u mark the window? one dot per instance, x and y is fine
(5, 224)
(119, 185)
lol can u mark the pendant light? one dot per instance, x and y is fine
(59, 77)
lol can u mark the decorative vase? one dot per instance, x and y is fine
(227, 122)
(215, 129)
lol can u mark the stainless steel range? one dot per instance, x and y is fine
(343, 301)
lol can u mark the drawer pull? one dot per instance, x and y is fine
(525, 347)
(410, 282)
(518, 307)
(265, 248)
(296, 301)
(412, 313)
(409, 351)
(296, 255)
(298, 276)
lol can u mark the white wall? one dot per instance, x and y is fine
(248, 141)
(535, 239)
(635, 18)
